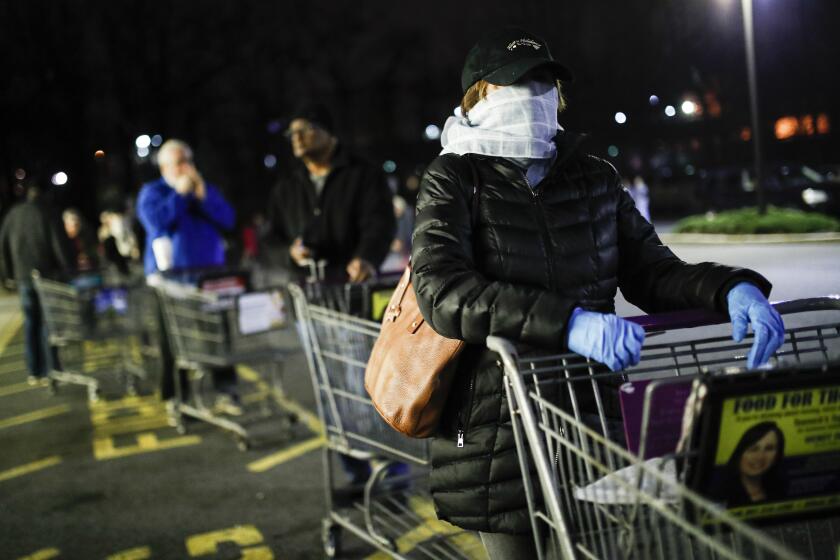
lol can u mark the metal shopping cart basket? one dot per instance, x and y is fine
(393, 514)
(592, 497)
(213, 329)
(96, 324)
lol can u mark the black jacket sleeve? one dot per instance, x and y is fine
(653, 278)
(456, 299)
(376, 221)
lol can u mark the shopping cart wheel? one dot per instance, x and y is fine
(93, 394)
(331, 537)
(243, 443)
(180, 427)
(52, 386)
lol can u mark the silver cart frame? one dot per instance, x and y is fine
(648, 513)
(203, 333)
(71, 320)
(337, 345)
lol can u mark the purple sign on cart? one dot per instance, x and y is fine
(666, 415)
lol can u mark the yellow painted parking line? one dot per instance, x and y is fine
(43, 554)
(270, 461)
(308, 418)
(29, 468)
(16, 388)
(104, 448)
(9, 330)
(139, 553)
(467, 543)
(34, 416)
(16, 368)
(242, 535)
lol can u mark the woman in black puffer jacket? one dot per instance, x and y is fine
(555, 236)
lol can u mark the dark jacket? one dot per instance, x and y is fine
(32, 237)
(353, 217)
(539, 253)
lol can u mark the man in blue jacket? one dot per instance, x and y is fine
(184, 217)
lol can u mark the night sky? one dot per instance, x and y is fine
(80, 76)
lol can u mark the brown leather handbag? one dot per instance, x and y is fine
(411, 367)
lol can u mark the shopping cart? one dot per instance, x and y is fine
(96, 323)
(208, 330)
(391, 513)
(590, 497)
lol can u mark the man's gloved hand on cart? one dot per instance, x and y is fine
(749, 307)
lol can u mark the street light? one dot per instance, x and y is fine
(749, 43)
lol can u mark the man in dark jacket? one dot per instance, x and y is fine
(33, 238)
(334, 207)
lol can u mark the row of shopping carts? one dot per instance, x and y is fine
(109, 326)
(615, 465)
(596, 486)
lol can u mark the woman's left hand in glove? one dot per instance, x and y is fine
(749, 307)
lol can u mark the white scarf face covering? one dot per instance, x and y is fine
(517, 121)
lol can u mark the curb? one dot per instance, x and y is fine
(763, 239)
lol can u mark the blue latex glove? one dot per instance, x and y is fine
(606, 338)
(748, 306)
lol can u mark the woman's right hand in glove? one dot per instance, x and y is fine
(606, 338)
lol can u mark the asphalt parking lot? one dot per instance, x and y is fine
(110, 479)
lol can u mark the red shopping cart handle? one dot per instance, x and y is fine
(700, 317)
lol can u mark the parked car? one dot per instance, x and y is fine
(790, 185)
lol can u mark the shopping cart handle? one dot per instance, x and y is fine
(672, 320)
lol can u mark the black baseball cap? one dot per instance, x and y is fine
(503, 56)
(316, 113)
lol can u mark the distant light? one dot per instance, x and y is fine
(143, 152)
(157, 140)
(274, 126)
(432, 132)
(59, 179)
(670, 111)
(99, 154)
(389, 166)
(653, 100)
(143, 141)
(20, 174)
(688, 107)
(620, 118)
(689, 170)
(812, 197)
(270, 161)
(613, 151)
(823, 124)
(746, 134)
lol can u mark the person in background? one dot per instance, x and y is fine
(641, 196)
(401, 245)
(82, 239)
(184, 217)
(32, 238)
(117, 240)
(335, 206)
(556, 235)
